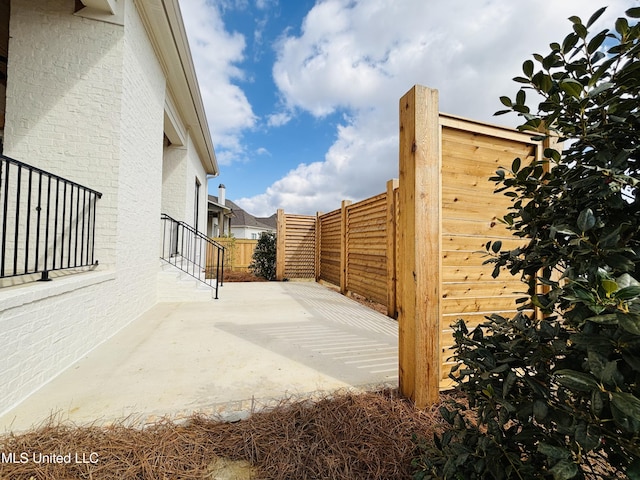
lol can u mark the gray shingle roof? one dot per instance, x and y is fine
(241, 218)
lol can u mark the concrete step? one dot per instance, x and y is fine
(174, 285)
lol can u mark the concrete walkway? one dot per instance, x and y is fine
(259, 342)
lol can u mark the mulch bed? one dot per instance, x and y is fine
(345, 436)
(230, 276)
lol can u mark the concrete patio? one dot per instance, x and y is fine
(258, 343)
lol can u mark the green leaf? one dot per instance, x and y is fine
(627, 403)
(601, 88)
(571, 87)
(527, 68)
(629, 321)
(596, 41)
(506, 101)
(576, 380)
(633, 472)
(633, 12)
(515, 166)
(622, 26)
(620, 262)
(553, 452)
(569, 42)
(496, 246)
(564, 470)
(580, 30)
(586, 220)
(540, 410)
(597, 402)
(628, 293)
(609, 286)
(575, 20)
(596, 16)
(606, 319)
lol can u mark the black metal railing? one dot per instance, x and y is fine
(192, 252)
(47, 222)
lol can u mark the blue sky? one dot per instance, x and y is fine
(301, 96)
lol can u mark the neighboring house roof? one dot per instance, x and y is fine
(241, 218)
(215, 203)
(163, 21)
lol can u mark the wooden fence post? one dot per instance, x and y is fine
(318, 245)
(281, 245)
(420, 257)
(391, 248)
(344, 212)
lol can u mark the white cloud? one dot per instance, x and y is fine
(361, 56)
(278, 119)
(216, 54)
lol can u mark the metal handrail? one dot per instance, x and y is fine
(47, 222)
(192, 252)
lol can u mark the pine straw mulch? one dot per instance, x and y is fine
(345, 436)
(240, 276)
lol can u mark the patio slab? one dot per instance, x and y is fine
(258, 343)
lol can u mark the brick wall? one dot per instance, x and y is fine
(85, 100)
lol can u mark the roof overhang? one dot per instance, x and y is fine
(163, 21)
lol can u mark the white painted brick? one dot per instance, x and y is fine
(86, 100)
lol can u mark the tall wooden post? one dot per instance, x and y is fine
(391, 247)
(281, 244)
(343, 245)
(318, 245)
(420, 255)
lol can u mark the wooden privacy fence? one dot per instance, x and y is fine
(238, 253)
(296, 246)
(356, 247)
(419, 247)
(352, 247)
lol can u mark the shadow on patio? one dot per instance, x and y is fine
(258, 343)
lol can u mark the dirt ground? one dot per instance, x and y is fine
(344, 436)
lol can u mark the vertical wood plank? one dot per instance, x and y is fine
(391, 247)
(344, 227)
(281, 242)
(420, 246)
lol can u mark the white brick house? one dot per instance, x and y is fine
(102, 93)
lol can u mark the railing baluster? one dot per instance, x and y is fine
(38, 209)
(84, 204)
(5, 209)
(46, 235)
(62, 225)
(93, 229)
(55, 226)
(70, 226)
(17, 227)
(28, 230)
(75, 253)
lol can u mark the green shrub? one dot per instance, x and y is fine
(556, 393)
(263, 261)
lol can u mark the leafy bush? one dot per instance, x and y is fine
(555, 391)
(263, 261)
